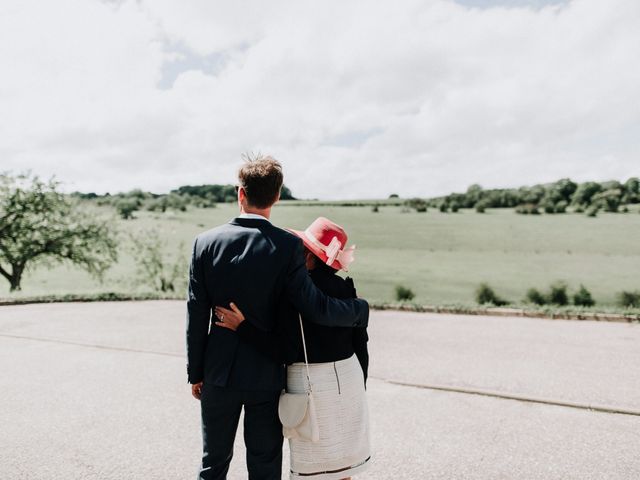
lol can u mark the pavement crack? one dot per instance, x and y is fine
(516, 397)
(92, 345)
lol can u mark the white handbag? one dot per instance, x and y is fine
(297, 411)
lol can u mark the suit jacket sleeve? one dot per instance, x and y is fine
(198, 317)
(314, 305)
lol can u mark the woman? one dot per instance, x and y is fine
(338, 363)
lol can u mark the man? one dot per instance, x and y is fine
(255, 265)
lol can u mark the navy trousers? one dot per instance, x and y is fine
(221, 409)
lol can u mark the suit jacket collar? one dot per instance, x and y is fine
(250, 222)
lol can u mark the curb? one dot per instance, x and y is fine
(512, 312)
(486, 311)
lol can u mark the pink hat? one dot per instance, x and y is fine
(327, 240)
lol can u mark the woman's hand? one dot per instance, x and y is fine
(229, 318)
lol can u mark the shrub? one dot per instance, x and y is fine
(592, 211)
(419, 204)
(629, 299)
(455, 207)
(403, 293)
(152, 265)
(485, 294)
(558, 294)
(375, 209)
(561, 206)
(528, 209)
(126, 207)
(609, 200)
(549, 208)
(535, 296)
(583, 297)
(443, 207)
(481, 207)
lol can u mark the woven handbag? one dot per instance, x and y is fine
(297, 411)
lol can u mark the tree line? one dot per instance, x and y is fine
(199, 196)
(556, 197)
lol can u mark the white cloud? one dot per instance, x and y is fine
(358, 99)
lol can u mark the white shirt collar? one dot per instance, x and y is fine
(254, 216)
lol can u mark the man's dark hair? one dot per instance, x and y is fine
(261, 177)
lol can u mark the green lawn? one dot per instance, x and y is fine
(441, 257)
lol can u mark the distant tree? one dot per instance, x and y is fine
(548, 206)
(285, 193)
(564, 189)
(40, 224)
(394, 195)
(221, 193)
(532, 195)
(632, 190)
(609, 199)
(584, 193)
(176, 202)
(592, 211)
(137, 194)
(126, 206)
(84, 196)
(153, 267)
(473, 195)
(419, 204)
(158, 204)
(527, 209)
(561, 206)
(612, 185)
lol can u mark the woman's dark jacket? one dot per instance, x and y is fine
(324, 344)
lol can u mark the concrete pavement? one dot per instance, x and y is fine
(99, 391)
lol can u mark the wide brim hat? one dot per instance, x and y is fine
(327, 240)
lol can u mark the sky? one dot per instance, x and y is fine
(357, 99)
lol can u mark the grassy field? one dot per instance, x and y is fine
(441, 257)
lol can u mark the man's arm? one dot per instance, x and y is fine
(317, 307)
(198, 316)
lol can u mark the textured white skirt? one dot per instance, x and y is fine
(343, 418)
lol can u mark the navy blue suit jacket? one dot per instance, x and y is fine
(256, 265)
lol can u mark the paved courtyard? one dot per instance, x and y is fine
(98, 391)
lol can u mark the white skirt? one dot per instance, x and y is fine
(343, 418)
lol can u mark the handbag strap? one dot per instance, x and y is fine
(306, 359)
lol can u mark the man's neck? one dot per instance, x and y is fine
(265, 212)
